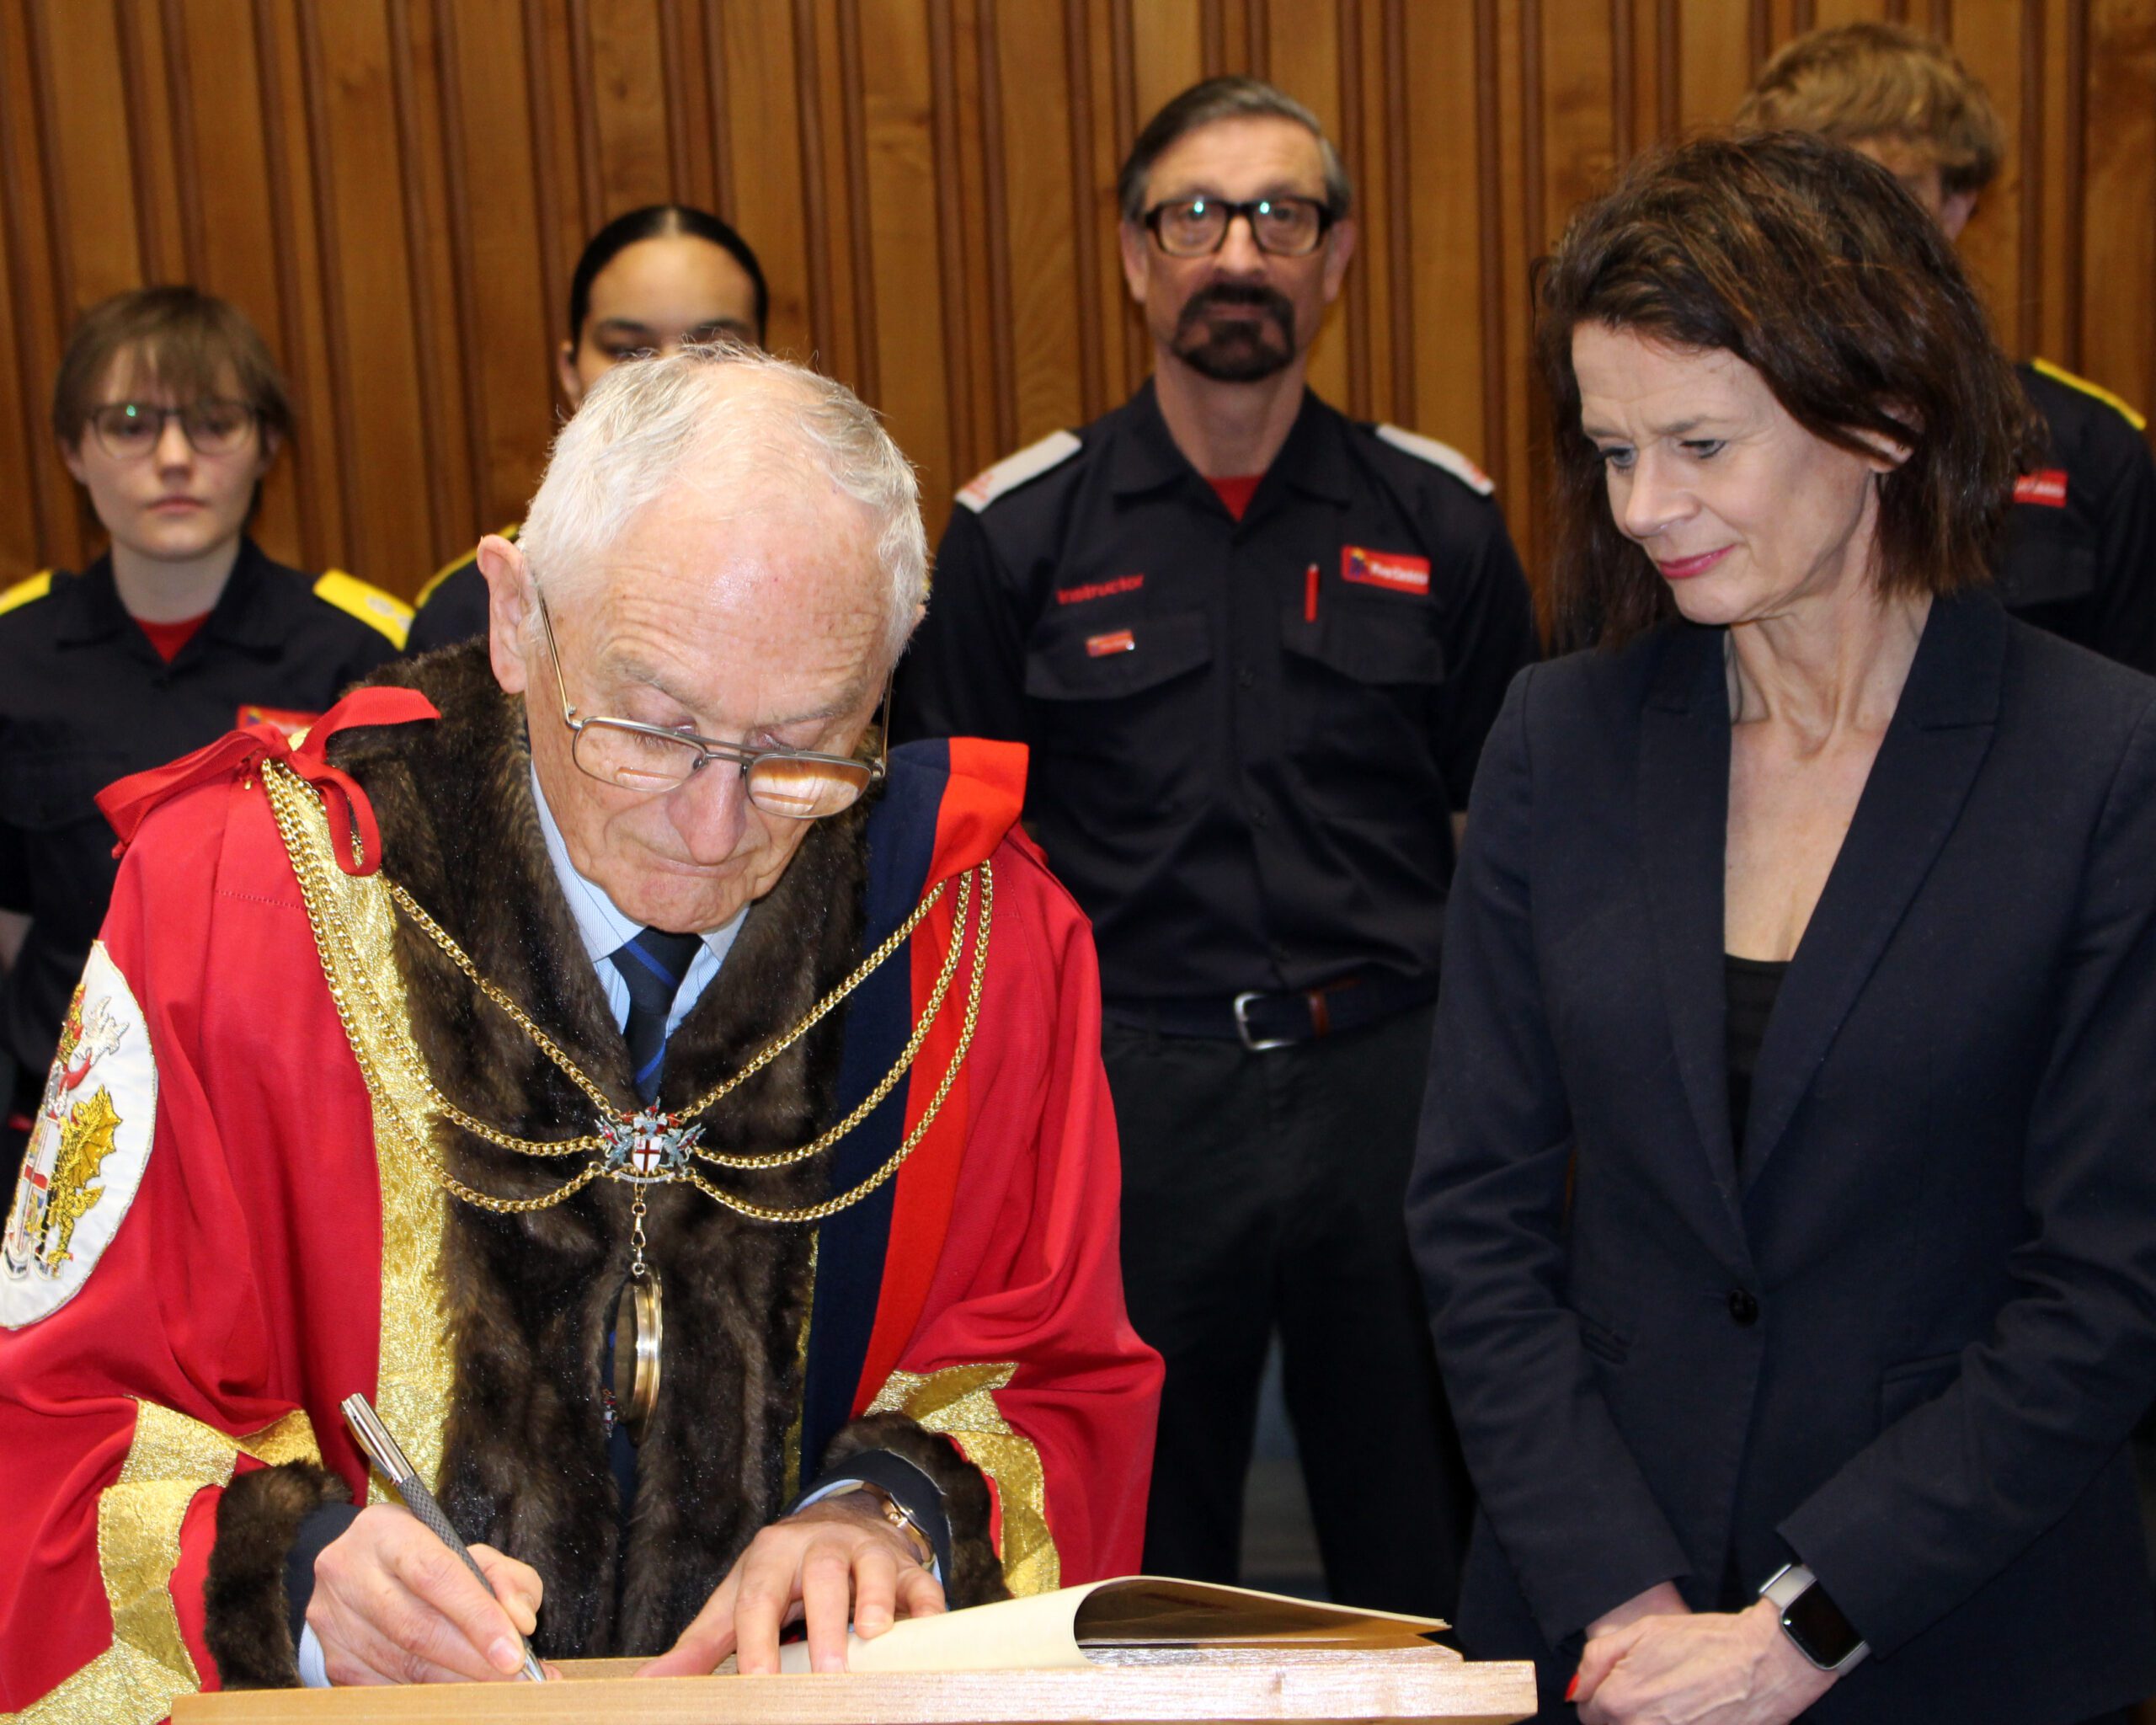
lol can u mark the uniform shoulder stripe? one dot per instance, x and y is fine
(455, 563)
(379, 611)
(23, 592)
(2059, 374)
(1015, 470)
(1439, 455)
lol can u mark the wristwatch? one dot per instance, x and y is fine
(894, 1513)
(1813, 1623)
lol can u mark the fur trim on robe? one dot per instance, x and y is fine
(528, 1298)
(247, 1624)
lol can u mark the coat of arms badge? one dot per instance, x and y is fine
(99, 1104)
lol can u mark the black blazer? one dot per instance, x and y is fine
(1907, 1348)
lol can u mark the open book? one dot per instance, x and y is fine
(1095, 1624)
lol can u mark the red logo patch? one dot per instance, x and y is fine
(287, 719)
(1392, 570)
(1099, 589)
(2046, 486)
(1116, 641)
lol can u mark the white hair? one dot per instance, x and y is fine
(646, 421)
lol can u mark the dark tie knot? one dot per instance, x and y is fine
(652, 963)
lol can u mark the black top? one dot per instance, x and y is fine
(85, 699)
(1247, 737)
(2080, 555)
(453, 603)
(1751, 985)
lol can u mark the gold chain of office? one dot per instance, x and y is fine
(290, 796)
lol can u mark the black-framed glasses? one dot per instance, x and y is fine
(1285, 227)
(795, 785)
(127, 429)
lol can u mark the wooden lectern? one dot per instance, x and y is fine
(1218, 1685)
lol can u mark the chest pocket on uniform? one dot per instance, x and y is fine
(2047, 562)
(1097, 658)
(1120, 703)
(47, 790)
(1362, 684)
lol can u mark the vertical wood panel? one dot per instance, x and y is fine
(305, 494)
(91, 195)
(920, 363)
(1990, 44)
(2119, 144)
(395, 190)
(390, 443)
(152, 143)
(1051, 247)
(39, 319)
(764, 132)
(20, 438)
(1306, 47)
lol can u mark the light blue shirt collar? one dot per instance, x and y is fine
(606, 930)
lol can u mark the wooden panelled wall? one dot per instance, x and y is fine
(396, 190)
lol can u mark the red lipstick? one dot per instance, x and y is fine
(1683, 568)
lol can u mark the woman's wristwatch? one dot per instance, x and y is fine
(912, 1531)
(1813, 1623)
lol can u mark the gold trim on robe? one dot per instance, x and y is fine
(960, 1402)
(355, 926)
(171, 1458)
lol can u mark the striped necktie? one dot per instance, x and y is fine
(652, 963)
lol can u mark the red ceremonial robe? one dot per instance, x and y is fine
(227, 1241)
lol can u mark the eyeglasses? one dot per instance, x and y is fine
(128, 430)
(1283, 228)
(794, 784)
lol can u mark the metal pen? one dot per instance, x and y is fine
(388, 1455)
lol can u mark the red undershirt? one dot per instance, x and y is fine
(169, 637)
(1236, 492)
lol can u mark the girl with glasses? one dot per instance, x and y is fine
(169, 411)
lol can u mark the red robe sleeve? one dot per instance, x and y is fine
(1014, 1342)
(161, 1347)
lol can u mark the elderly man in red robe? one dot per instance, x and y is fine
(680, 1118)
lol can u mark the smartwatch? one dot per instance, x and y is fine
(1812, 1622)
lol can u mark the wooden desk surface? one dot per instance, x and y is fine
(1225, 1686)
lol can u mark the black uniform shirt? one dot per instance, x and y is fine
(1248, 738)
(453, 603)
(85, 699)
(2081, 548)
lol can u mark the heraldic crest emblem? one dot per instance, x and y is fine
(88, 1143)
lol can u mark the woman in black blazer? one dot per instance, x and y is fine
(1786, 1200)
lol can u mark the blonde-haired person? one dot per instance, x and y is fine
(2080, 555)
(170, 410)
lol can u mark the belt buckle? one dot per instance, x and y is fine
(1255, 1045)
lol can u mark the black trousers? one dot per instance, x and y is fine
(1263, 1191)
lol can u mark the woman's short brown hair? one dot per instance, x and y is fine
(1856, 83)
(185, 343)
(1814, 266)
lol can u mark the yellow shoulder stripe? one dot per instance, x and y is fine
(36, 587)
(455, 563)
(2059, 374)
(363, 600)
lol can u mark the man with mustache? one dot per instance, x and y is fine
(1254, 647)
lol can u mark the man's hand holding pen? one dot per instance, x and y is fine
(393, 1604)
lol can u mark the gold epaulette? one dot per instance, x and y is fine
(23, 592)
(2059, 374)
(382, 611)
(455, 563)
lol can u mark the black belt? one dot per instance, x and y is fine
(1268, 1021)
